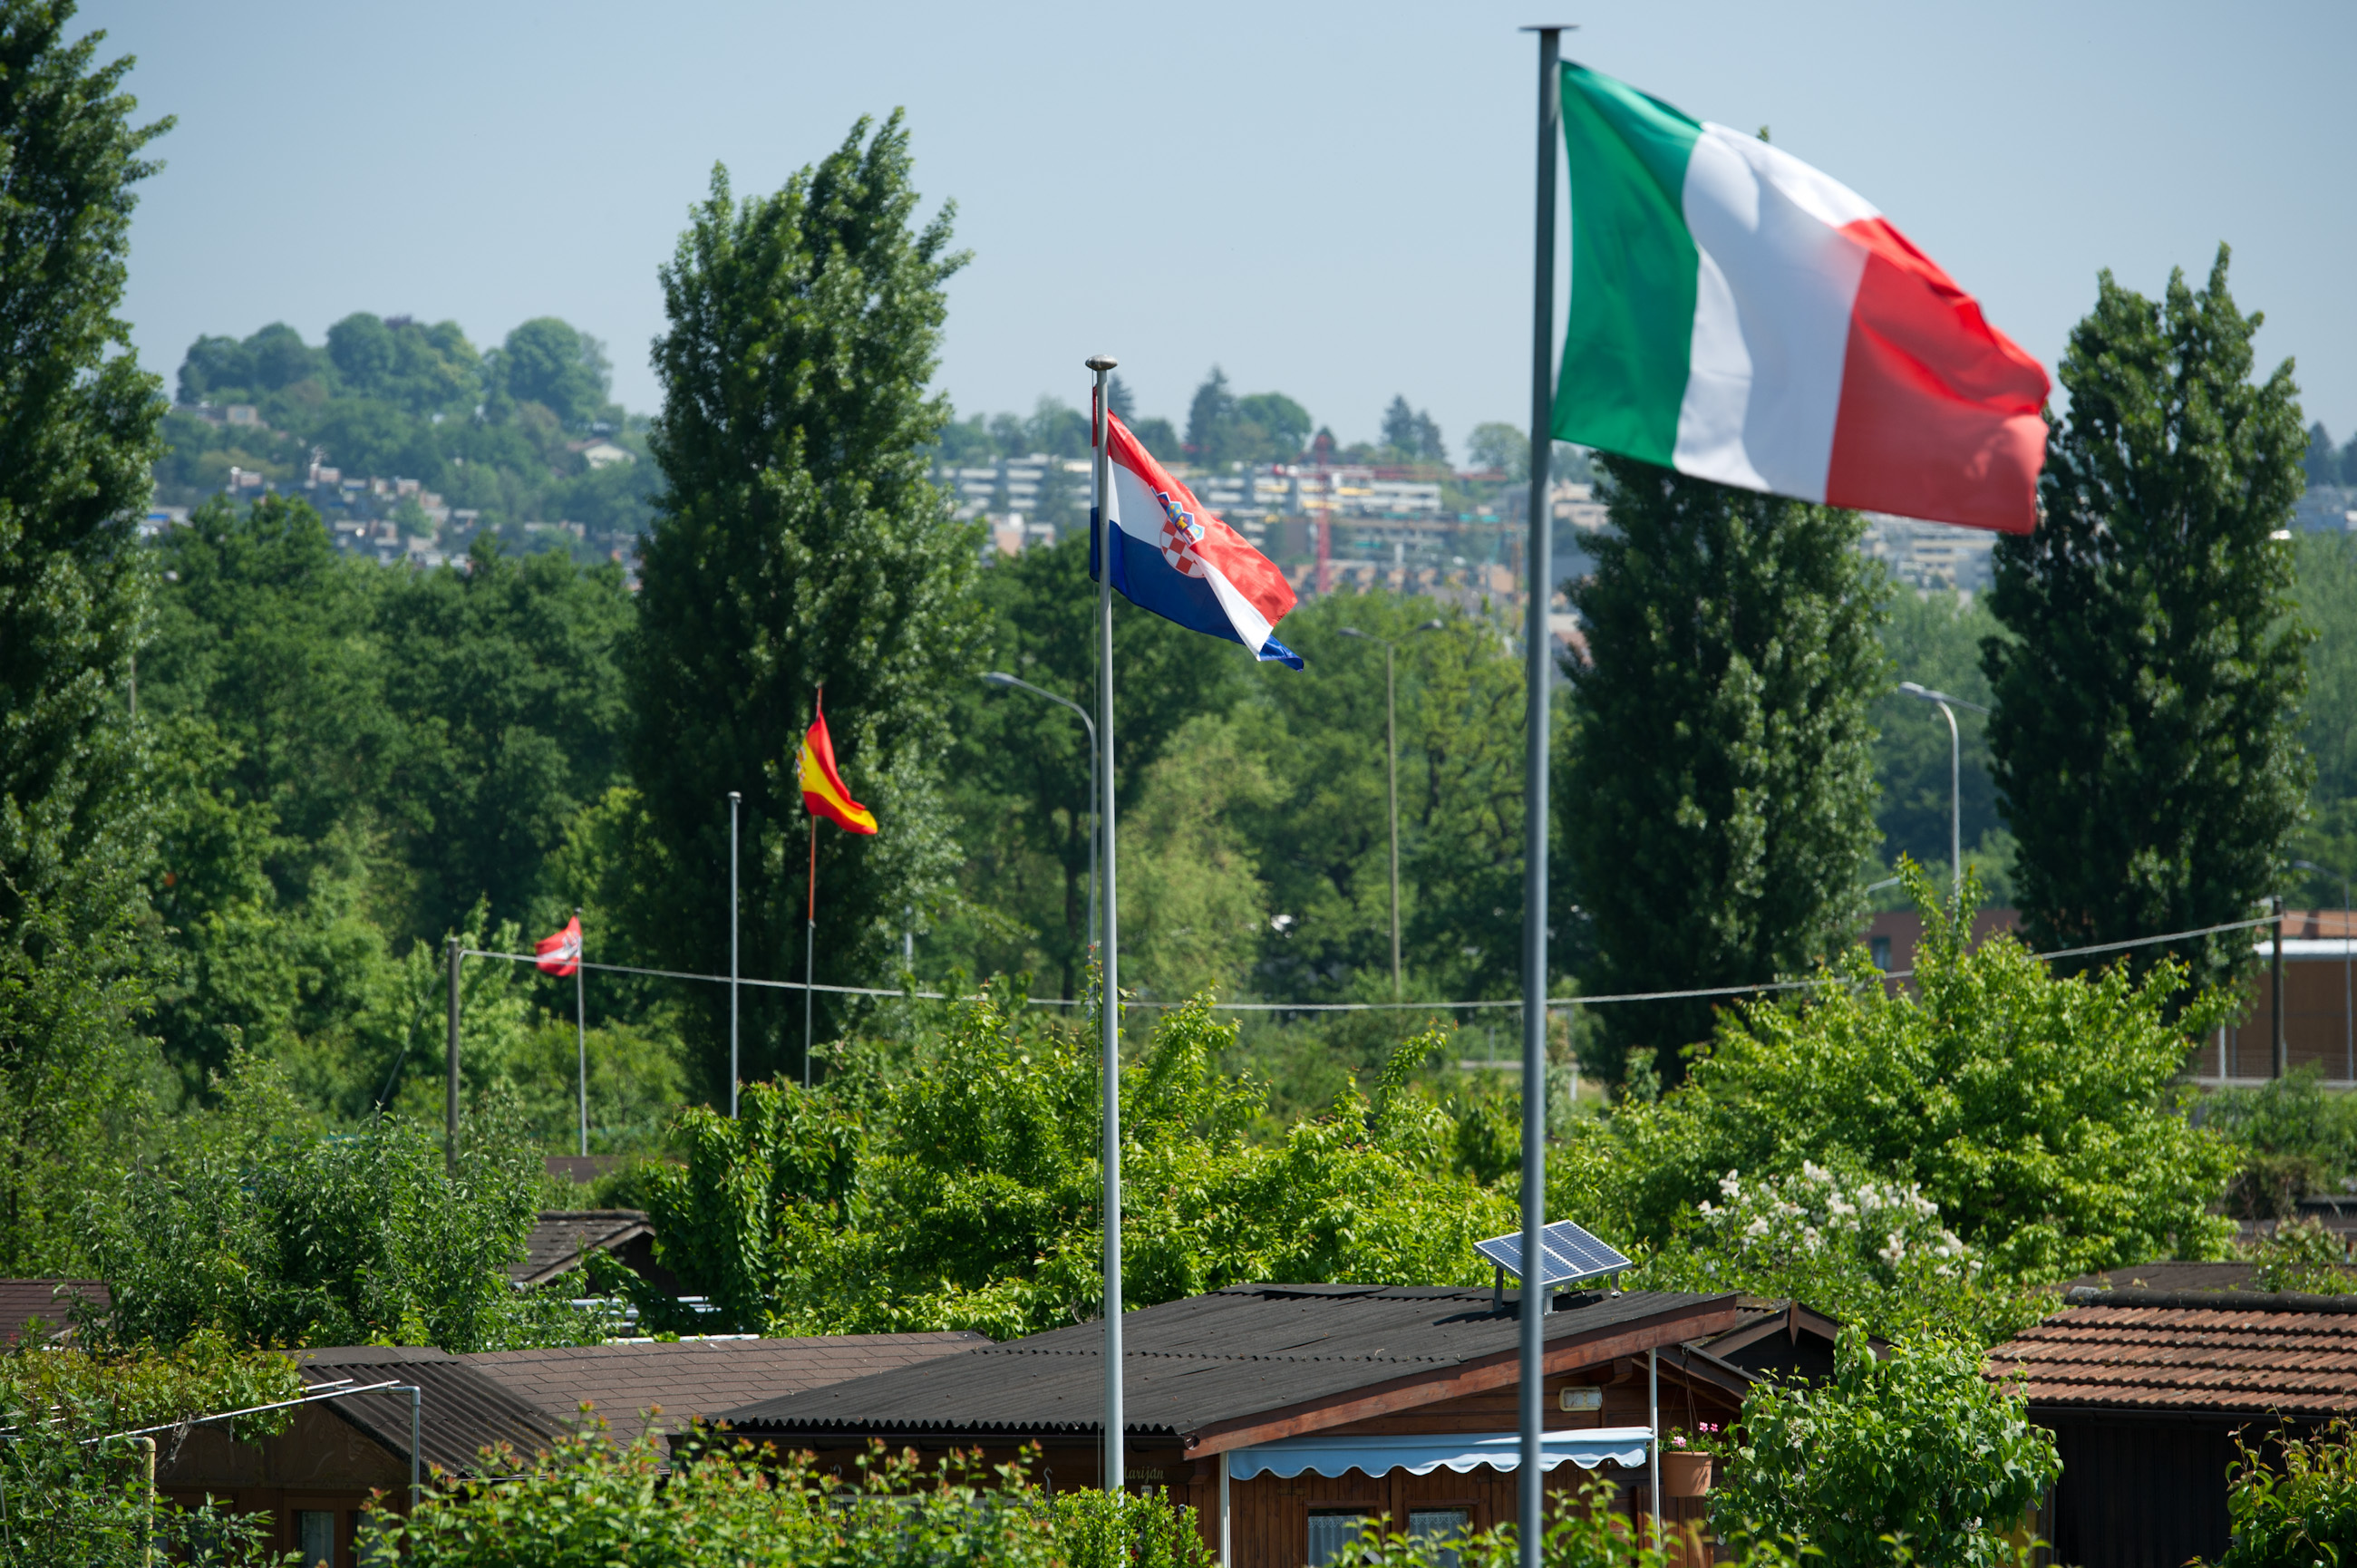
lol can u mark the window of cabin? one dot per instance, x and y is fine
(1442, 1529)
(1332, 1530)
(1880, 947)
(315, 1537)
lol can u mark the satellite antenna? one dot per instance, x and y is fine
(1568, 1254)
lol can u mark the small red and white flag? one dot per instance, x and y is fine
(561, 954)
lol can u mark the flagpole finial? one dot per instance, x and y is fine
(1100, 362)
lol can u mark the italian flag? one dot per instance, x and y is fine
(1737, 316)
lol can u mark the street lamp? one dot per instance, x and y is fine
(2347, 1014)
(1391, 765)
(1948, 706)
(996, 677)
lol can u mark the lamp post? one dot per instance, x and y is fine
(1390, 775)
(1948, 706)
(2348, 1014)
(996, 677)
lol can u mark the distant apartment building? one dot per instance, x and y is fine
(1931, 557)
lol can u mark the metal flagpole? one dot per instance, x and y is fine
(1535, 1295)
(581, 1033)
(450, 1091)
(809, 950)
(734, 798)
(1109, 996)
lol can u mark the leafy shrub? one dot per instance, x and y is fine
(2296, 1513)
(1582, 1532)
(1916, 1458)
(2301, 1255)
(2293, 1137)
(275, 1231)
(590, 1502)
(73, 1483)
(960, 1189)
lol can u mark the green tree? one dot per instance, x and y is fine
(1211, 419)
(957, 1186)
(799, 545)
(2043, 1114)
(78, 423)
(2145, 740)
(1019, 780)
(2328, 602)
(1411, 436)
(555, 365)
(272, 1229)
(506, 679)
(1935, 640)
(1720, 768)
(1908, 1457)
(1503, 448)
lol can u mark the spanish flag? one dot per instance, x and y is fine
(823, 791)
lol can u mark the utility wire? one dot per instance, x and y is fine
(1568, 1002)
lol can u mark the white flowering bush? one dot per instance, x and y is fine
(1890, 1231)
(1863, 1249)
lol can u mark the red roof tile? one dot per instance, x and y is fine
(2231, 1352)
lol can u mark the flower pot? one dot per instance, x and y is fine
(1684, 1475)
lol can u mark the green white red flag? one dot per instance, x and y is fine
(1741, 316)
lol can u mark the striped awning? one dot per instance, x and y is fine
(1420, 1455)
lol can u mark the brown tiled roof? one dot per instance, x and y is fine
(2195, 1352)
(693, 1378)
(560, 1236)
(51, 1301)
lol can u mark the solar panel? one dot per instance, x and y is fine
(1569, 1254)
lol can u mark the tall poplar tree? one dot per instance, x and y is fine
(1719, 792)
(798, 544)
(77, 434)
(2146, 738)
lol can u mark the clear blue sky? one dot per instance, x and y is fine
(1329, 200)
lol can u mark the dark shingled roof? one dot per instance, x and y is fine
(560, 1236)
(2195, 1352)
(1210, 1358)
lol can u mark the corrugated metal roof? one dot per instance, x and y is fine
(1210, 1358)
(2231, 1352)
(527, 1398)
(689, 1379)
(464, 1411)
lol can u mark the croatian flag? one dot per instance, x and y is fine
(1173, 557)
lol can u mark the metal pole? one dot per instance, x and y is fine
(450, 1089)
(417, 1427)
(733, 799)
(810, 951)
(2348, 1014)
(581, 1035)
(1227, 1554)
(1109, 1003)
(1955, 806)
(1391, 763)
(2276, 998)
(1653, 1424)
(1540, 585)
